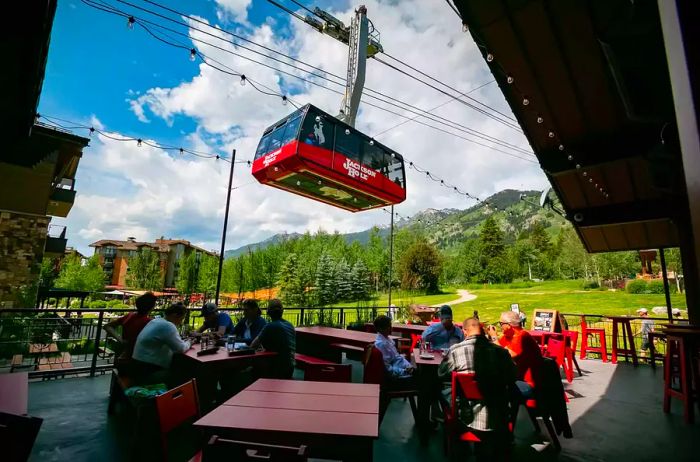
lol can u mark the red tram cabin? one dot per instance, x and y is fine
(313, 154)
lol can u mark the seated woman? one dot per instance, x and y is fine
(155, 346)
(252, 323)
(131, 326)
(218, 322)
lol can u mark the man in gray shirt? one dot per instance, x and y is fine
(279, 336)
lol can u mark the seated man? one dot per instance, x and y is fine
(279, 336)
(523, 349)
(395, 364)
(494, 372)
(155, 345)
(131, 326)
(443, 334)
(252, 323)
(218, 322)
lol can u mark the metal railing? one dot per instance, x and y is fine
(55, 342)
(599, 321)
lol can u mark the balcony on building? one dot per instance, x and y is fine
(62, 198)
(55, 242)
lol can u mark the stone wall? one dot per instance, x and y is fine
(22, 241)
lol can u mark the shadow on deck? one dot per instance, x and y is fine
(616, 416)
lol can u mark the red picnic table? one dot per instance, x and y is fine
(339, 421)
(14, 393)
(427, 380)
(404, 329)
(329, 342)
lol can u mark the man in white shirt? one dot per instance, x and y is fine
(156, 344)
(395, 363)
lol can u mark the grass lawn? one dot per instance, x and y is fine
(565, 296)
(403, 298)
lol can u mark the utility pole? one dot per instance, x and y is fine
(223, 234)
(391, 252)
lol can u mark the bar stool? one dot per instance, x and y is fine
(626, 335)
(653, 355)
(596, 332)
(679, 367)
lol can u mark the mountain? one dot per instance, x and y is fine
(448, 228)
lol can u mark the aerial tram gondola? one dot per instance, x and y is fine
(313, 154)
(316, 155)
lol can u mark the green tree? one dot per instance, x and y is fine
(360, 282)
(208, 273)
(343, 281)
(290, 283)
(326, 287)
(144, 270)
(76, 276)
(490, 240)
(188, 272)
(48, 273)
(420, 267)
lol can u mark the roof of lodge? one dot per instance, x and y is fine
(588, 83)
(161, 245)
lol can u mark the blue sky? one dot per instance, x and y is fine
(100, 72)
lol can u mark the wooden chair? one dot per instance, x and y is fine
(328, 372)
(174, 408)
(587, 332)
(374, 372)
(17, 436)
(220, 449)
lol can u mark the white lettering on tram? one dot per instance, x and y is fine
(270, 158)
(357, 170)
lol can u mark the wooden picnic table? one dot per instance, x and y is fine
(43, 348)
(207, 369)
(339, 422)
(428, 386)
(14, 393)
(323, 342)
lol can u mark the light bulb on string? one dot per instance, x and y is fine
(138, 142)
(242, 80)
(284, 100)
(550, 134)
(561, 147)
(193, 54)
(526, 101)
(585, 173)
(130, 22)
(590, 180)
(510, 79)
(182, 151)
(570, 157)
(298, 183)
(371, 142)
(539, 119)
(578, 166)
(92, 130)
(217, 157)
(489, 57)
(347, 131)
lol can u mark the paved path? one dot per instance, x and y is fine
(464, 296)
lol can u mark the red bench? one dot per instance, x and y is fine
(302, 360)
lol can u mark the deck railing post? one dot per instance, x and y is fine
(97, 343)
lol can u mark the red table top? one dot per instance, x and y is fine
(339, 335)
(222, 355)
(315, 388)
(435, 361)
(304, 402)
(293, 407)
(14, 393)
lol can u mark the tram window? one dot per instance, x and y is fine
(276, 138)
(348, 145)
(290, 130)
(317, 133)
(395, 171)
(373, 156)
(262, 147)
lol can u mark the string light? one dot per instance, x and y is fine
(540, 120)
(193, 54)
(284, 100)
(139, 142)
(243, 80)
(130, 22)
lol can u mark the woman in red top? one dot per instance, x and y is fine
(131, 325)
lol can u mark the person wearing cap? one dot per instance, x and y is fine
(647, 327)
(252, 323)
(278, 336)
(218, 322)
(443, 334)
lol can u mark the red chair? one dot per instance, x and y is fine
(595, 332)
(220, 449)
(328, 372)
(556, 349)
(174, 408)
(570, 355)
(374, 372)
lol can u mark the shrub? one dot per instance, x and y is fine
(657, 287)
(637, 286)
(98, 304)
(116, 304)
(587, 285)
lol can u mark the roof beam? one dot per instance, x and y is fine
(629, 212)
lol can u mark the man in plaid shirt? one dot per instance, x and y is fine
(494, 372)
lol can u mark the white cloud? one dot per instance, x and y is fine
(237, 10)
(144, 192)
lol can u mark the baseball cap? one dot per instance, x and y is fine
(445, 312)
(208, 308)
(642, 310)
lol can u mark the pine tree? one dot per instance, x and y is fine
(290, 284)
(343, 281)
(188, 269)
(326, 286)
(360, 282)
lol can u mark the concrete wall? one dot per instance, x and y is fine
(22, 241)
